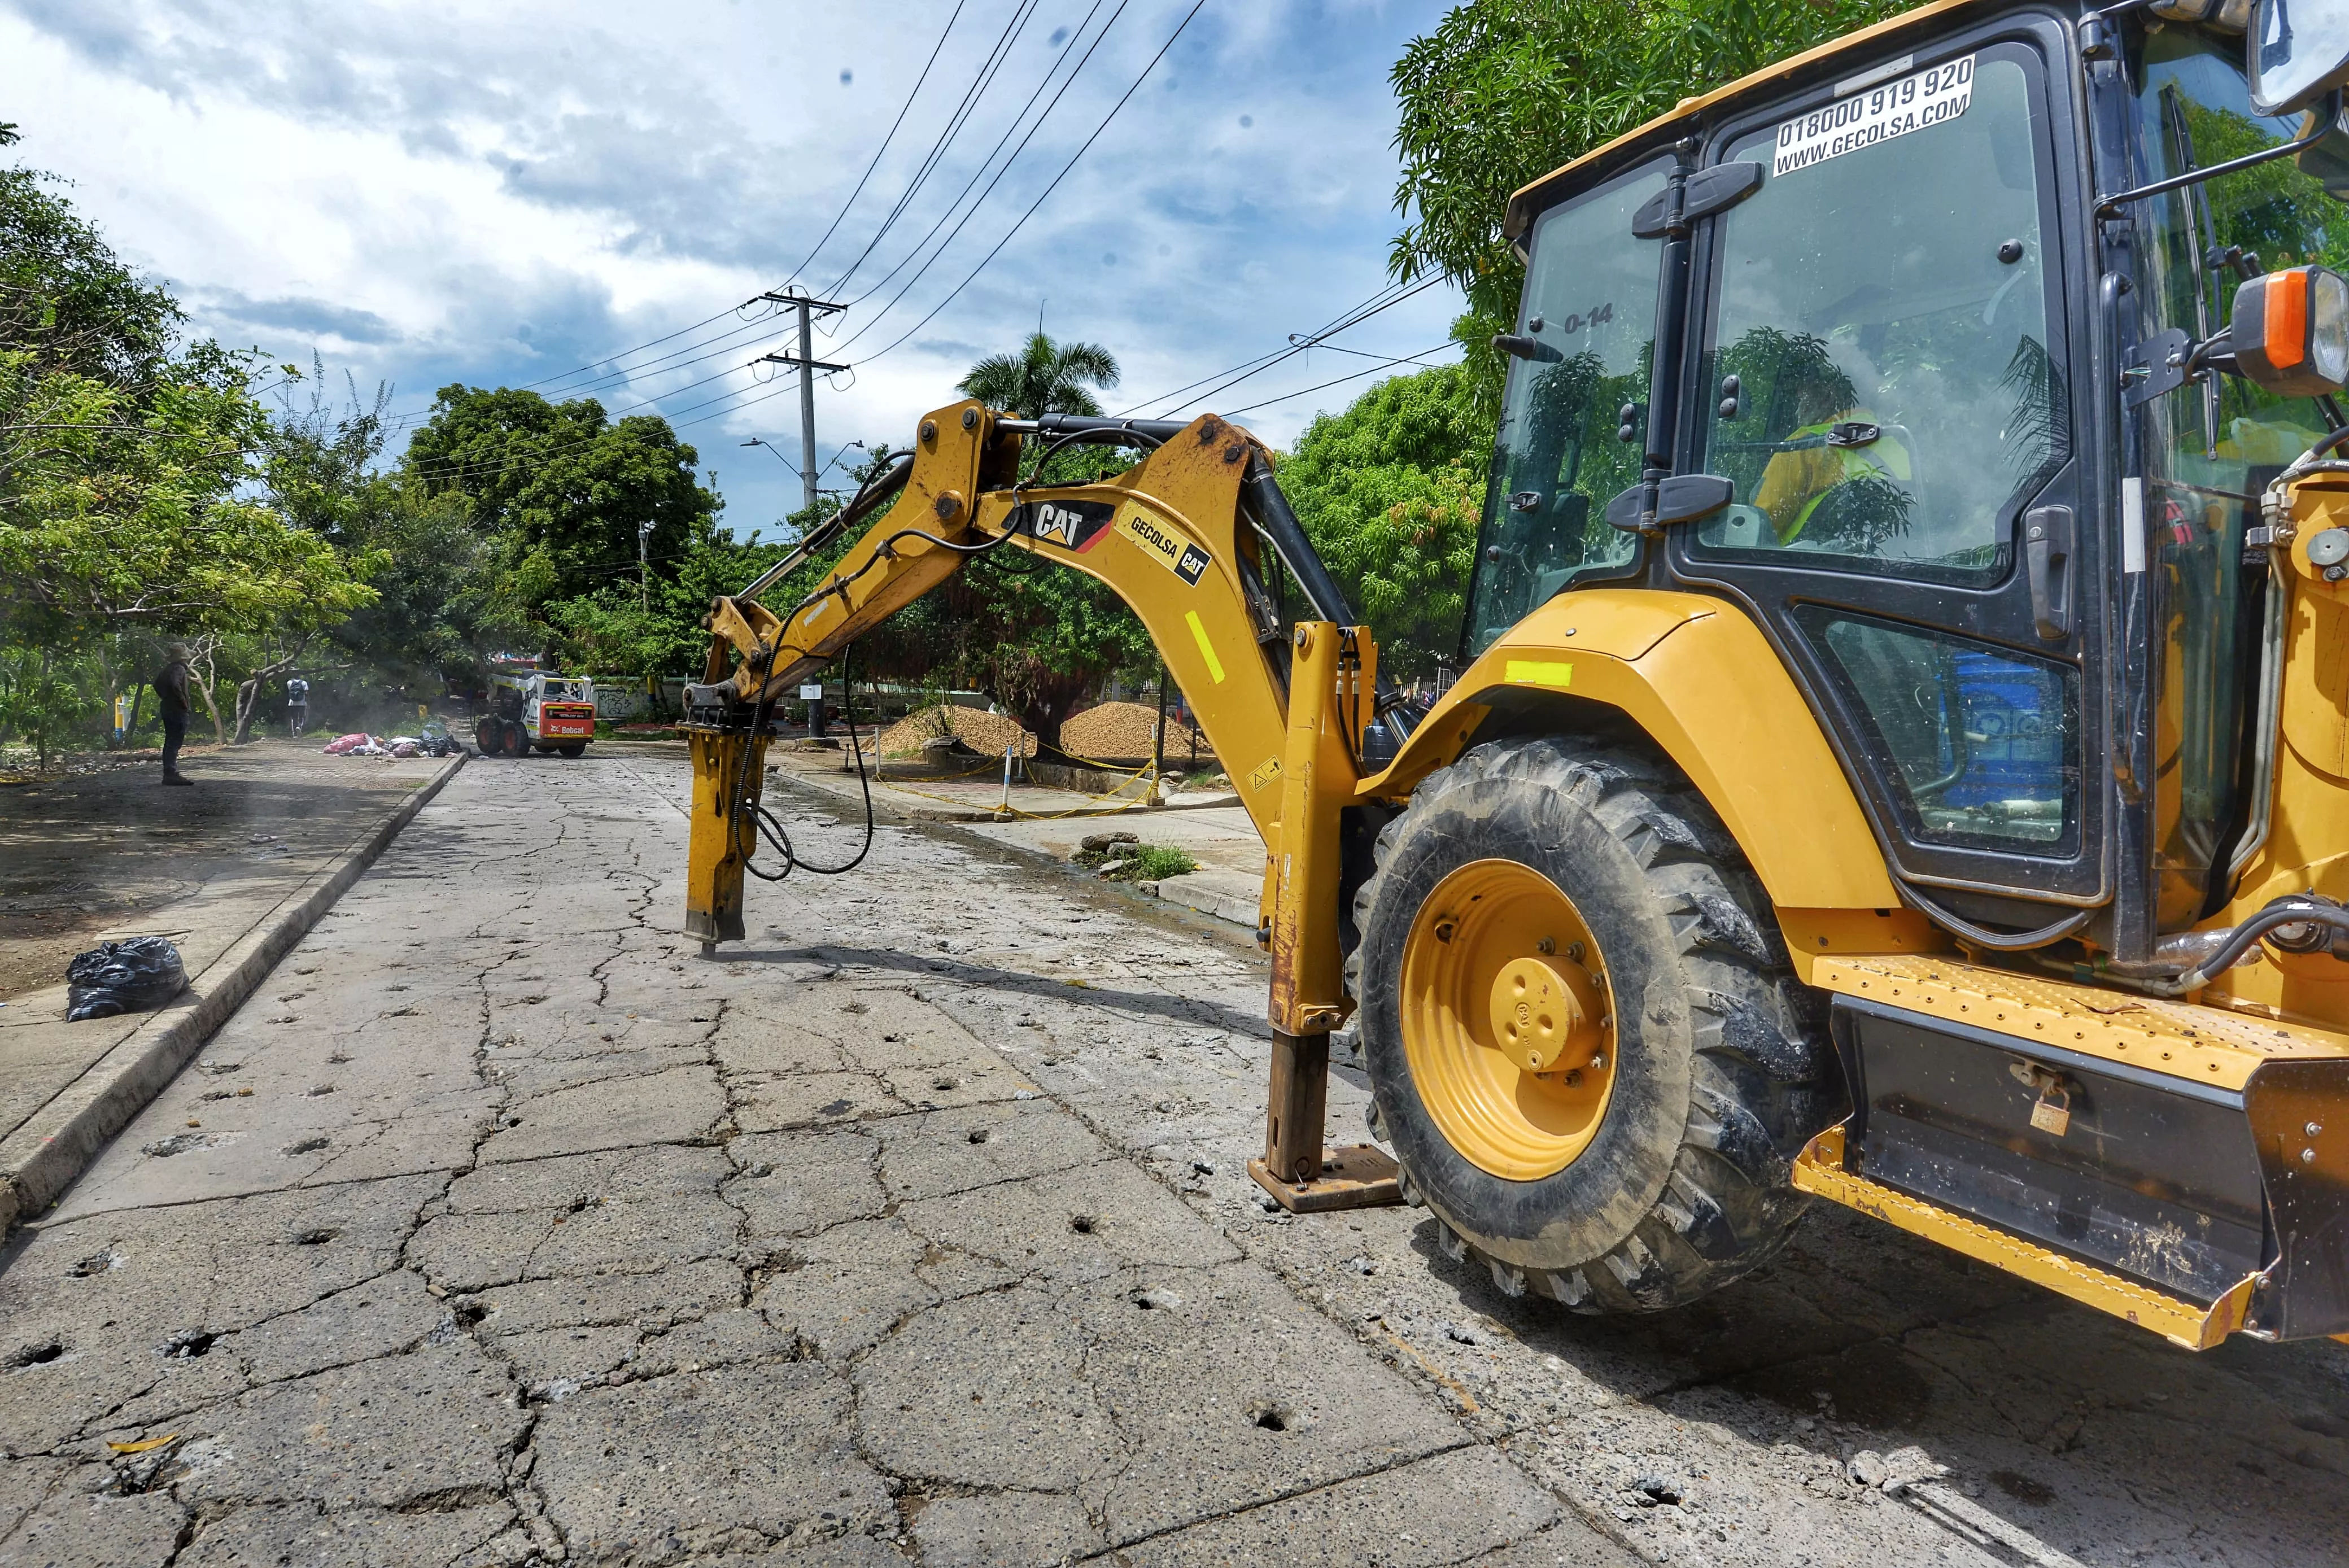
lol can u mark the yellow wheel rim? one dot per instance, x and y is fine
(1507, 1020)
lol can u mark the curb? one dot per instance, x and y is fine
(41, 1159)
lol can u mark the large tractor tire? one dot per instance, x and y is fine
(489, 735)
(1585, 1042)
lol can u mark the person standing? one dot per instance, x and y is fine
(172, 691)
(297, 705)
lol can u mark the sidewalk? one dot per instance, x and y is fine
(975, 796)
(231, 872)
(1222, 838)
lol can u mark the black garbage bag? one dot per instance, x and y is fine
(134, 976)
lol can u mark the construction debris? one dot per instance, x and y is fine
(1121, 732)
(987, 733)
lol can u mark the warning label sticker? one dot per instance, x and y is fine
(1876, 115)
(1179, 555)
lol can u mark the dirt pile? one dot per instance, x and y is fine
(988, 733)
(1120, 732)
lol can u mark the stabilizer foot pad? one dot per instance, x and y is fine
(1353, 1176)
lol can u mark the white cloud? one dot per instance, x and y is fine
(426, 193)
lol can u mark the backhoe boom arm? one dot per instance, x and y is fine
(1178, 537)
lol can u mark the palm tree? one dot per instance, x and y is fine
(1045, 377)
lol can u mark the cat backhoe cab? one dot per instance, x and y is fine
(1902, 754)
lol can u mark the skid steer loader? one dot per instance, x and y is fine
(1904, 755)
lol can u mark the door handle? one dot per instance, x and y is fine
(2050, 540)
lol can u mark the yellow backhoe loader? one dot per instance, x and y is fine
(1904, 757)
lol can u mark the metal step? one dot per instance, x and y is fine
(2179, 1166)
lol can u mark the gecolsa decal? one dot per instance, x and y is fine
(1180, 556)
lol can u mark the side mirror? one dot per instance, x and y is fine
(2296, 51)
(2291, 332)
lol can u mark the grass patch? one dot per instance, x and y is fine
(1139, 862)
(1154, 862)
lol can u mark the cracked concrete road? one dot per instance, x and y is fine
(501, 1228)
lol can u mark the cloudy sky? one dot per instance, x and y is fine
(424, 192)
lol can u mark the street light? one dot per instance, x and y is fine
(757, 441)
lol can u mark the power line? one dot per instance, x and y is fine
(878, 151)
(1039, 95)
(1055, 185)
(1270, 353)
(972, 211)
(405, 420)
(1353, 320)
(985, 78)
(1356, 375)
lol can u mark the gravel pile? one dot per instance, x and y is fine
(983, 732)
(1120, 732)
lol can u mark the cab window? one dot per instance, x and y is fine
(1881, 305)
(2212, 449)
(1590, 306)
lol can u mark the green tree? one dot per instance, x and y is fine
(1044, 377)
(1389, 493)
(1041, 638)
(1503, 91)
(132, 502)
(563, 491)
(436, 610)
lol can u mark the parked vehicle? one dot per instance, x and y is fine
(533, 710)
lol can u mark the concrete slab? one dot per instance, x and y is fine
(66, 1087)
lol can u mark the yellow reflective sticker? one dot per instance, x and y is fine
(1264, 773)
(1538, 672)
(1206, 648)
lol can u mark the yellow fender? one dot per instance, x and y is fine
(1698, 676)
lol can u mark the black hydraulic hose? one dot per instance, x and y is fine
(773, 830)
(2283, 912)
(1279, 523)
(867, 500)
(1328, 601)
(1104, 431)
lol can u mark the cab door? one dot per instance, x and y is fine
(1880, 364)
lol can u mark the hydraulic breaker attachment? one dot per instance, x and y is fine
(1331, 674)
(726, 789)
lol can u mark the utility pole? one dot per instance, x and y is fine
(644, 568)
(809, 364)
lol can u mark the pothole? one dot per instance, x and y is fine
(39, 1354)
(187, 1345)
(316, 1238)
(305, 1146)
(979, 1135)
(1084, 1225)
(1272, 1416)
(178, 1143)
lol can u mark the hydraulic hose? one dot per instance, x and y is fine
(2282, 912)
(1390, 726)
(880, 488)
